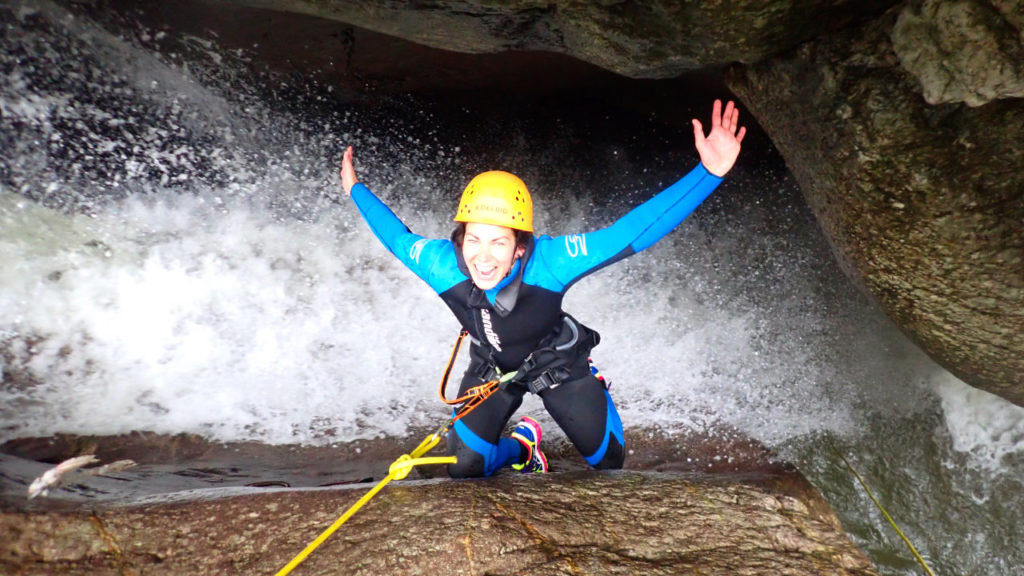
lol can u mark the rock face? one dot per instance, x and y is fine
(653, 39)
(923, 203)
(572, 523)
(901, 120)
(963, 51)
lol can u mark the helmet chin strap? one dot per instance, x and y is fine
(511, 266)
(505, 301)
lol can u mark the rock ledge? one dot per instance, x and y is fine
(568, 523)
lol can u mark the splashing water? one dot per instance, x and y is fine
(173, 261)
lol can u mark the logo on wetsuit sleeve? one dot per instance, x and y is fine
(414, 252)
(576, 244)
(492, 336)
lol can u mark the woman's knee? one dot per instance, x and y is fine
(468, 465)
(613, 457)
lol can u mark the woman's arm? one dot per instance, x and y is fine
(570, 258)
(419, 254)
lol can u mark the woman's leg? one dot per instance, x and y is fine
(476, 439)
(584, 410)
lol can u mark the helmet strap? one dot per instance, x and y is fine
(506, 299)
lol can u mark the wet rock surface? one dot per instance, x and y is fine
(962, 51)
(566, 523)
(922, 203)
(656, 39)
(701, 503)
(168, 464)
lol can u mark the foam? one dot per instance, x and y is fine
(235, 326)
(982, 426)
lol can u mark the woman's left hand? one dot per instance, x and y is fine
(348, 172)
(718, 151)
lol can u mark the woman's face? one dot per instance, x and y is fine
(489, 252)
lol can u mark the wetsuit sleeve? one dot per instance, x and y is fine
(425, 257)
(569, 258)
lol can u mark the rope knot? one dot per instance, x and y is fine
(397, 470)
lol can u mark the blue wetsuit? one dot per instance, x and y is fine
(523, 314)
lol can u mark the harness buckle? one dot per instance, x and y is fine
(488, 372)
(548, 380)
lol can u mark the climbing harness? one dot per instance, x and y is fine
(549, 357)
(473, 397)
(892, 522)
(401, 467)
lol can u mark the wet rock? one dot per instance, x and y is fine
(568, 523)
(656, 39)
(143, 447)
(963, 51)
(923, 204)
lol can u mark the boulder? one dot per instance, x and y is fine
(654, 39)
(964, 50)
(566, 523)
(923, 203)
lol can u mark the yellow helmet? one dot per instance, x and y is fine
(497, 198)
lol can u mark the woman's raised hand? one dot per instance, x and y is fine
(348, 172)
(718, 151)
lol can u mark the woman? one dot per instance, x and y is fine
(506, 287)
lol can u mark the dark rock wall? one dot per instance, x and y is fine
(639, 39)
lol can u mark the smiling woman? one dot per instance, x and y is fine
(506, 288)
(495, 219)
(489, 252)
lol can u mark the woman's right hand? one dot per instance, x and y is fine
(718, 151)
(348, 172)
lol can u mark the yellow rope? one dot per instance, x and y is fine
(398, 470)
(879, 505)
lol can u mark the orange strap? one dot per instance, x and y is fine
(473, 397)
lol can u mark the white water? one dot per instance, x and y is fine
(170, 262)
